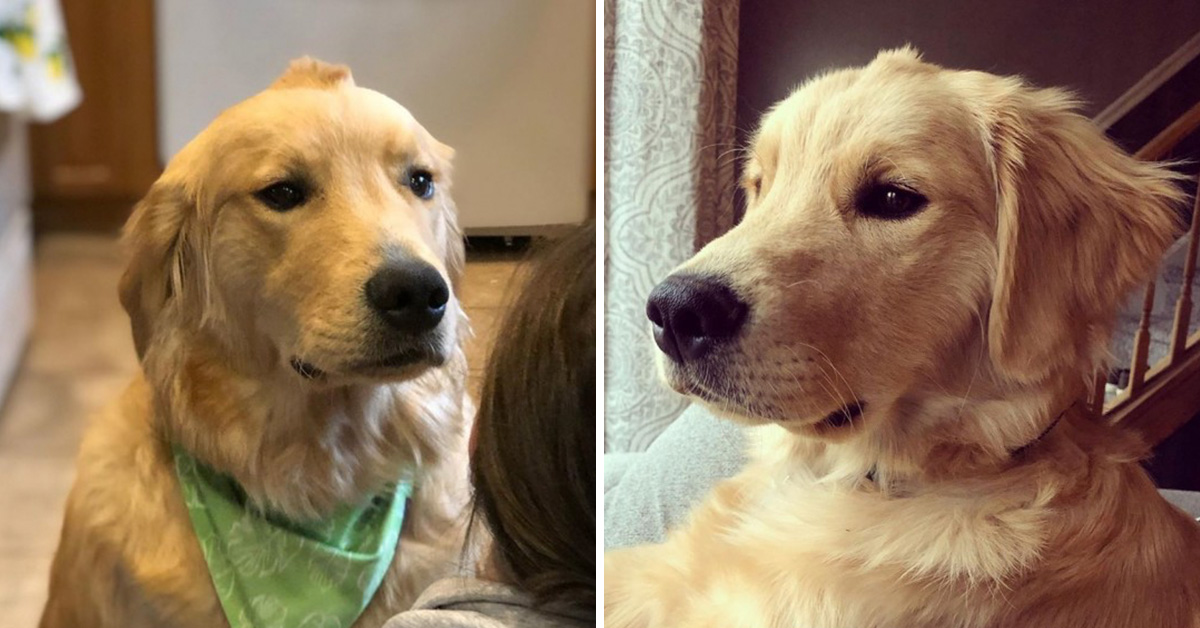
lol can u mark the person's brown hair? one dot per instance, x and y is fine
(534, 464)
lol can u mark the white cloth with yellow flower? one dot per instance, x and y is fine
(37, 77)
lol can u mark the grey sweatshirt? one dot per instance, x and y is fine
(471, 603)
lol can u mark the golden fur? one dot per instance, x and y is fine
(966, 329)
(222, 294)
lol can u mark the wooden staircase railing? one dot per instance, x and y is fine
(1162, 397)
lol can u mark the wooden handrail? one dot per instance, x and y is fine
(1171, 136)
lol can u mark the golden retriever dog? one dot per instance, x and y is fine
(922, 288)
(291, 296)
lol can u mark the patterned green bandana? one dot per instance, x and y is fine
(287, 574)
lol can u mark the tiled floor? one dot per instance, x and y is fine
(80, 356)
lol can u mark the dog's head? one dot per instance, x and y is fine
(308, 229)
(910, 227)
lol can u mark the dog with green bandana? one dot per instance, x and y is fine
(293, 452)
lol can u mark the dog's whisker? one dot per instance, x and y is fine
(836, 371)
(836, 392)
(831, 390)
(801, 282)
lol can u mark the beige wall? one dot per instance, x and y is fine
(508, 83)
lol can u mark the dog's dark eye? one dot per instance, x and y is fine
(282, 196)
(889, 202)
(421, 183)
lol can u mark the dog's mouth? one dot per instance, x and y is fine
(735, 401)
(400, 360)
(843, 416)
(306, 369)
(839, 423)
(391, 365)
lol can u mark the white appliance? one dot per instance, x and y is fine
(16, 248)
(508, 83)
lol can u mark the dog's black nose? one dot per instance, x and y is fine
(410, 295)
(691, 314)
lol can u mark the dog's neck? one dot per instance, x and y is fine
(944, 430)
(965, 415)
(297, 449)
(938, 438)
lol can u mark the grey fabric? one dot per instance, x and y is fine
(646, 494)
(1187, 501)
(615, 466)
(471, 603)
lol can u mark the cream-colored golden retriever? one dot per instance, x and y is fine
(924, 284)
(290, 291)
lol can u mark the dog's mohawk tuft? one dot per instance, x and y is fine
(313, 73)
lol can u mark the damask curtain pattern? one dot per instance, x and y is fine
(670, 70)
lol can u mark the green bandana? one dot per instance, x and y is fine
(271, 572)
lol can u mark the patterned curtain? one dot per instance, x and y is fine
(670, 86)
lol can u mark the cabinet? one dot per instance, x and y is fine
(92, 165)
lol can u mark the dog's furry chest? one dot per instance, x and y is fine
(771, 548)
(130, 558)
(837, 555)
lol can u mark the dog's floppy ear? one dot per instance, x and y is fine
(1079, 224)
(309, 72)
(456, 250)
(455, 256)
(154, 240)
